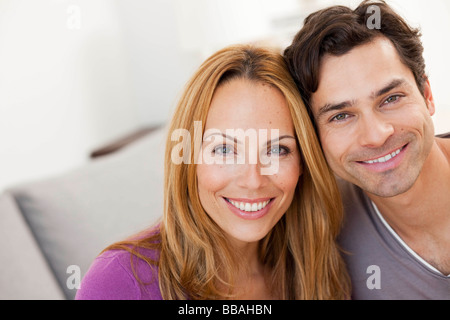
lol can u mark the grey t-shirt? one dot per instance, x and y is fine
(380, 266)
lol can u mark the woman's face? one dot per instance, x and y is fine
(250, 161)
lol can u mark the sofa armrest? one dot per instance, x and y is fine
(25, 273)
(123, 142)
(75, 215)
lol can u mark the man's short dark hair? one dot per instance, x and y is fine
(338, 29)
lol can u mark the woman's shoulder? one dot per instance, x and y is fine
(121, 275)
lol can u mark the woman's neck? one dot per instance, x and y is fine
(251, 282)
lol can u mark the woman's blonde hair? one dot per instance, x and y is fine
(196, 260)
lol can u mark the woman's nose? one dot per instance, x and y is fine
(251, 177)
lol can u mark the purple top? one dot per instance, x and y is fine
(110, 277)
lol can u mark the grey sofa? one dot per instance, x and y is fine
(51, 230)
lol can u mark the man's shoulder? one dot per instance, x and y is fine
(444, 135)
(443, 141)
(353, 198)
(358, 222)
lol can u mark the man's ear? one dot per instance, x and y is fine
(428, 95)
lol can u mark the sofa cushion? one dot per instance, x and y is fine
(76, 215)
(24, 272)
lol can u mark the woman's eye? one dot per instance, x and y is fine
(223, 150)
(278, 150)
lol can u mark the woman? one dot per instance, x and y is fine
(235, 225)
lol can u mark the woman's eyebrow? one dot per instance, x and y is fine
(236, 141)
(223, 135)
(281, 138)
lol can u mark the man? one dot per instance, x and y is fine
(370, 99)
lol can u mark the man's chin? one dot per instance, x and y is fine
(387, 189)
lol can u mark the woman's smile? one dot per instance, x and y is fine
(249, 209)
(249, 205)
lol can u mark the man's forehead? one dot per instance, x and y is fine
(361, 72)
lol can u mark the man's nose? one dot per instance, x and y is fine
(373, 130)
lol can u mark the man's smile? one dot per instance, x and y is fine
(385, 158)
(385, 163)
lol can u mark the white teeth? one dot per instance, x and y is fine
(249, 207)
(385, 158)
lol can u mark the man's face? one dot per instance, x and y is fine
(374, 124)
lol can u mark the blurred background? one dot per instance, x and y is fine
(78, 74)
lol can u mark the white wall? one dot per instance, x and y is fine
(433, 17)
(64, 86)
(75, 74)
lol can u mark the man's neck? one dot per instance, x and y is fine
(421, 216)
(428, 198)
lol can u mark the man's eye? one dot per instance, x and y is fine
(392, 99)
(340, 117)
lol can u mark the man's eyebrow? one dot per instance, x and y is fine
(340, 106)
(392, 85)
(333, 107)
